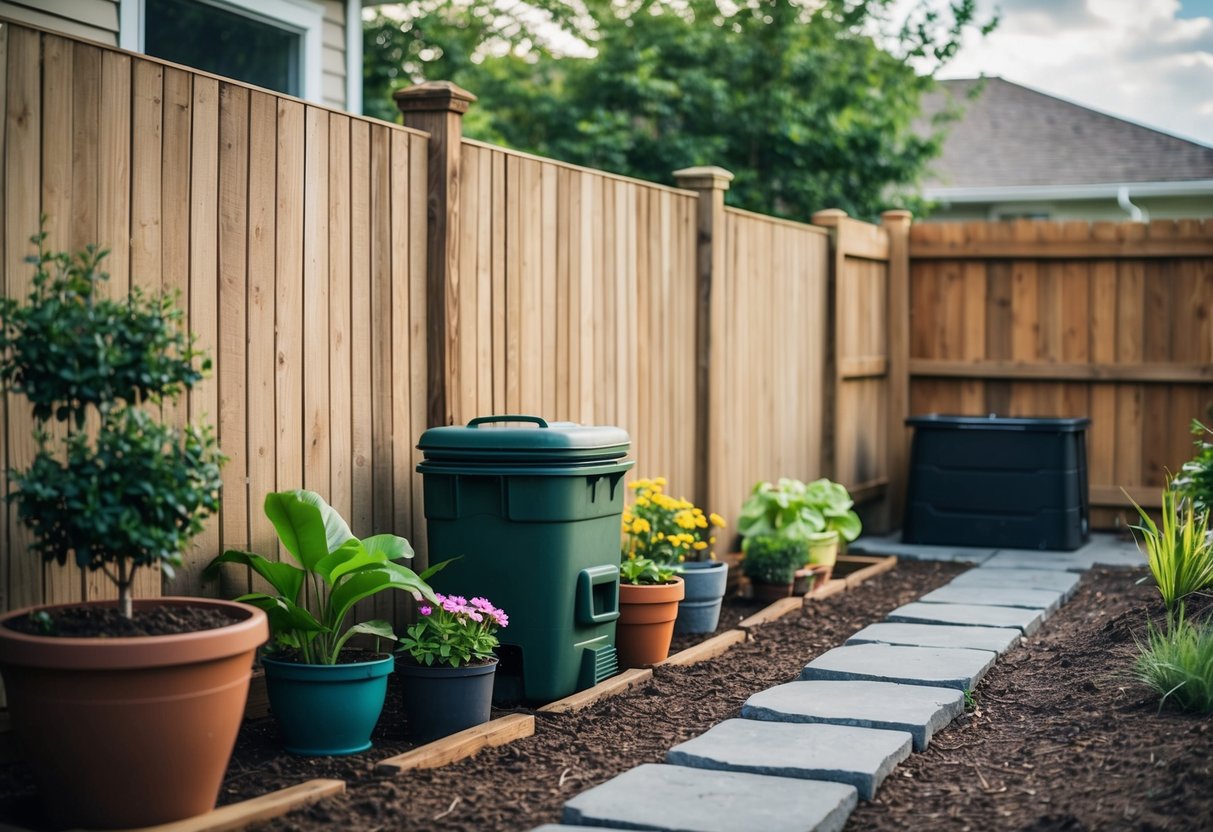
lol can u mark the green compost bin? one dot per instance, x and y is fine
(531, 510)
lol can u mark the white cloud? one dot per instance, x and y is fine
(1132, 58)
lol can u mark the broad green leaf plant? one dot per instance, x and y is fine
(796, 511)
(336, 570)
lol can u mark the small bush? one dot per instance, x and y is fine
(773, 560)
(1177, 664)
(1180, 552)
(1195, 480)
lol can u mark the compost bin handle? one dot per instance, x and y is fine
(487, 420)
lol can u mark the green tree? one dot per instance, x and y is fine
(811, 105)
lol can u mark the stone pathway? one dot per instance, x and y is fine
(805, 752)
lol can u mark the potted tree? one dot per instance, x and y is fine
(771, 563)
(674, 532)
(127, 711)
(649, 593)
(326, 694)
(448, 679)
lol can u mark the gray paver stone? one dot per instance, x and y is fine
(673, 798)
(561, 827)
(1047, 600)
(862, 757)
(945, 667)
(968, 615)
(1030, 559)
(996, 639)
(892, 545)
(919, 710)
(1057, 580)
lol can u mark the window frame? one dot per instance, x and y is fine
(301, 17)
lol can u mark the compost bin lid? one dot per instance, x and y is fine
(523, 439)
(996, 422)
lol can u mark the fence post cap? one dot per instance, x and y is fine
(705, 177)
(895, 216)
(434, 96)
(830, 217)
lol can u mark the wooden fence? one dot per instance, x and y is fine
(295, 237)
(1110, 321)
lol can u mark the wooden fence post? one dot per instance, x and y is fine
(710, 183)
(834, 220)
(437, 107)
(897, 225)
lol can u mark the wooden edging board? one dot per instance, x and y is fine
(584, 698)
(247, 812)
(460, 745)
(704, 650)
(877, 564)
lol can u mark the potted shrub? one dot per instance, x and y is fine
(127, 711)
(817, 515)
(771, 563)
(325, 694)
(448, 678)
(649, 593)
(674, 532)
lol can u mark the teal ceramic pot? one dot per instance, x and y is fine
(699, 611)
(441, 700)
(327, 710)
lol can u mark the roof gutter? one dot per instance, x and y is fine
(1191, 187)
(1135, 213)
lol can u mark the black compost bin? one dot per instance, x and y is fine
(997, 482)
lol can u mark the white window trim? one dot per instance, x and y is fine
(305, 17)
(353, 56)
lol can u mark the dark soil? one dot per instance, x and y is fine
(1061, 738)
(107, 622)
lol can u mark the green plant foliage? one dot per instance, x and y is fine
(1180, 553)
(773, 559)
(336, 570)
(797, 511)
(809, 104)
(133, 492)
(1177, 664)
(1195, 480)
(642, 570)
(454, 632)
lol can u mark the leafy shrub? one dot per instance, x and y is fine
(642, 570)
(1180, 553)
(796, 511)
(1195, 480)
(1177, 664)
(772, 559)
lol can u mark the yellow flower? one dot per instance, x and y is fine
(642, 501)
(638, 484)
(640, 525)
(717, 520)
(659, 536)
(699, 545)
(682, 558)
(701, 522)
(660, 481)
(627, 529)
(711, 539)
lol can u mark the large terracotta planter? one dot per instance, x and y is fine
(646, 622)
(130, 732)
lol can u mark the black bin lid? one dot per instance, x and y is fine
(513, 438)
(995, 422)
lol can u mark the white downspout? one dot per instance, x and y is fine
(353, 56)
(1135, 213)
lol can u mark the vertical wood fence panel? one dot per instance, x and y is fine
(295, 237)
(1111, 321)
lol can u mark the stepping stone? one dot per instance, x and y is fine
(917, 709)
(916, 551)
(968, 615)
(1032, 559)
(862, 757)
(1059, 581)
(671, 798)
(996, 639)
(988, 596)
(945, 667)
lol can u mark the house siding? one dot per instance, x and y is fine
(333, 82)
(1159, 208)
(95, 20)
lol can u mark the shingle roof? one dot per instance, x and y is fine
(1011, 135)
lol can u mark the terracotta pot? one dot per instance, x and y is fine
(646, 622)
(771, 592)
(130, 732)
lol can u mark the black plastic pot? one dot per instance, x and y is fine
(443, 700)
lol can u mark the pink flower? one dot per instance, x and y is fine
(439, 597)
(475, 616)
(502, 619)
(482, 604)
(425, 609)
(460, 600)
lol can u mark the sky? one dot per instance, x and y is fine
(1150, 61)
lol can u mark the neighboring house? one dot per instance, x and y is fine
(308, 48)
(1016, 152)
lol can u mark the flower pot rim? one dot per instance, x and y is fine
(703, 564)
(410, 668)
(667, 593)
(828, 536)
(249, 630)
(379, 659)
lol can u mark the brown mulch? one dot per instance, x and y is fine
(1061, 738)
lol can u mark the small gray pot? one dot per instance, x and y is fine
(699, 611)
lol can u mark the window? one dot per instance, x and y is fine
(270, 43)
